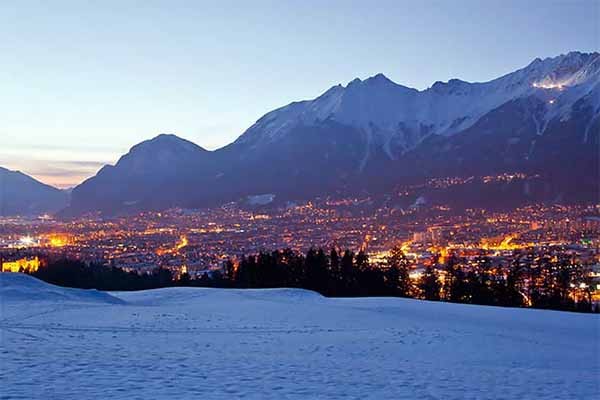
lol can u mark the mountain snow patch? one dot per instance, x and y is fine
(260, 199)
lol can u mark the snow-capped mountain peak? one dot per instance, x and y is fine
(386, 111)
(564, 71)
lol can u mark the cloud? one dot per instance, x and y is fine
(62, 174)
(80, 164)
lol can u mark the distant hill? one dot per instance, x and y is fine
(158, 173)
(20, 194)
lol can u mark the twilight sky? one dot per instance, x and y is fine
(83, 81)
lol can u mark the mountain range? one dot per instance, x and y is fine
(371, 135)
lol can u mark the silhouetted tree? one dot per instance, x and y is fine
(455, 289)
(429, 284)
(506, 290)
(397, 276)
(229, 269)
(349, 275)
(184, 279)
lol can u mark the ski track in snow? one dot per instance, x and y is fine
(184, 343)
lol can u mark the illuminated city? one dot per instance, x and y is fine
(200, 241)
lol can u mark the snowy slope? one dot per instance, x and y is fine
(205, 343)
(18, 288)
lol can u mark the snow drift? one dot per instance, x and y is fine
(25, 288)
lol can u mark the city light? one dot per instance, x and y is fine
(58, 240)
(548, 85)
(26, 241)
(21, 265)
(183, 241)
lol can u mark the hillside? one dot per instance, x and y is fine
(286, 343)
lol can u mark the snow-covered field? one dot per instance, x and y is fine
(190, 343)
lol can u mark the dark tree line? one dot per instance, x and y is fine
(540, 282)
(76, 274)
(331, 274)
(530, 282)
